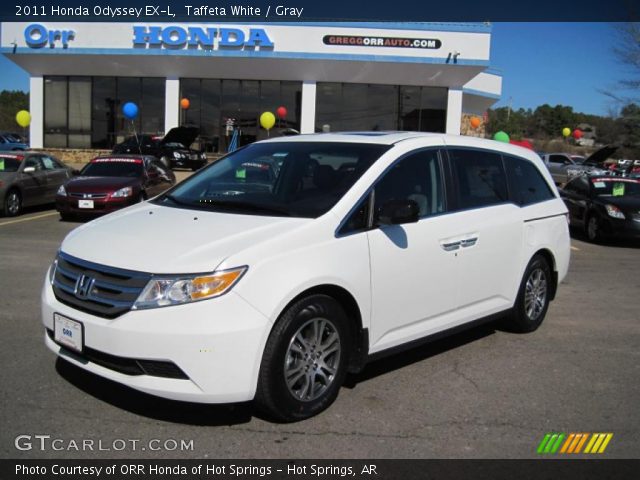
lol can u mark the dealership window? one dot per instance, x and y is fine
(218, 107)
(356, 106)
(86, 112)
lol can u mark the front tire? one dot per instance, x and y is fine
(305, 360)
(12, 205)
(533, 297)
(593, 229)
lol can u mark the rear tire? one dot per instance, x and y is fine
(12, 205)
(533, 297)
(305, 360)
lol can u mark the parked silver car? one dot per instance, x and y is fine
(29, 178)
(565, 166)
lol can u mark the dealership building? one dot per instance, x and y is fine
(327, 76)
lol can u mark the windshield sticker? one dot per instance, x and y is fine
(618, 190)
(241, 173)
(1, 164)
(599, 184)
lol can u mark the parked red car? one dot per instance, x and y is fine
(112, 182)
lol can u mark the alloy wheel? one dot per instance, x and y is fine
(535, 296)
(312, 359)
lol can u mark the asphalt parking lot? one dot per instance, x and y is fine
(484, 393)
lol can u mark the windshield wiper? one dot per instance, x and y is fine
(168, 196)
(246, 206)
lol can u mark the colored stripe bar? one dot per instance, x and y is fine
(543, 443)
(606, 441)
(555, 447)
(591, 442)
(581, 443)
(567, 443)
(550, 443)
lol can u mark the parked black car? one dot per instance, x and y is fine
(605, 206)
(173, 149)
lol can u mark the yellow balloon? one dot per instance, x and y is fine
(566, 131)
(267, 120)
(23, 118)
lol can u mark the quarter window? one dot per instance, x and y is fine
(480, 178)
(526, 183)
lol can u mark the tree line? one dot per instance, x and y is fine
(11, 102)
(546, 122)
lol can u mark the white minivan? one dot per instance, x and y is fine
(271, 273)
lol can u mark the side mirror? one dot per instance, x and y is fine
(29, 169)
(397, 212)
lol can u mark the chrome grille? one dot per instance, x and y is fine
(97, 289)
(88, 196)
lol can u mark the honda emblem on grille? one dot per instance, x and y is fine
(84, 285)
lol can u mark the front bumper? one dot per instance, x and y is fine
(101, 206)
(217, 343)
(188, 162)
(618, 228)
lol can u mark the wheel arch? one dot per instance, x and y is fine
(551, 260)
(360, 337)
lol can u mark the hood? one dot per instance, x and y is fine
(598, 157)
(99, 184)
(157, 239)
(184, 135)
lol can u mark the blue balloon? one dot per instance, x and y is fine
(130, 110)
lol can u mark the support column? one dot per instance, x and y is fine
(36, 109)
(308, 110)
(171, 104)
(454, 111)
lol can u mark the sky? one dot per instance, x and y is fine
(554, 63)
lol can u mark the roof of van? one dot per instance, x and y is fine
(384, 138)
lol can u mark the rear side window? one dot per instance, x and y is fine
(479, 177)
(526, 183)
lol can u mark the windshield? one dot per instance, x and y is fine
(113, 167)
(9, 163)
(298, 179)
(615, 187)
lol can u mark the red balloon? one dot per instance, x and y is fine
(577, 134)
(281, 112)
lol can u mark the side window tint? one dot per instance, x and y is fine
(416, 177)
(526, 183)
(480, 178)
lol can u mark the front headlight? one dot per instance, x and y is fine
(52, 270)
(177, 155)
(614, 212)
(62, 191)
(177, 290)
(123, 192)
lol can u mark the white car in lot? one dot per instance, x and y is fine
(276, 270)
